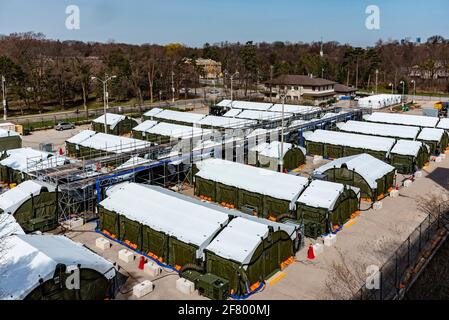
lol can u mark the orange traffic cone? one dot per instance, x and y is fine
(310, 253)
(142, 263)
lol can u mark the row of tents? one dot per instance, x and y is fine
(181, 231)
(42, 267)
(380, 101)
(320, 205)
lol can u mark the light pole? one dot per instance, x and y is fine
(392, 88)
(403, 91)
(232, 87)
(173, 86)
(377, 79)
(281, 157)
(4, 96)
(414, 90)
(105, 98)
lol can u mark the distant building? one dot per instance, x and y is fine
(300, 88)
(440, 71)
(211, 68)
(342, 90)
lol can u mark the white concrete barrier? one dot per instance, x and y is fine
(318, 249)
(142, 289)
(102, 244)
(377, 205)
(418, 174)
(408, 183)
(317, 159)
(126, 256)
(394, 193)
(152, 269)
(185, 286)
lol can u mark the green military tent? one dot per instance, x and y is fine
(175, 117)
(33, 204)
(214, 122)
(381, 130)
(248, 252)
(373, 177)
(163, 133)
(261, 192)
(41, 267)
(166, 227)
(324, 205)
(436, 139)
(140, 131)
(116, 124)
(402, 119)
(409, 156)
(334, 145)
(72, 144)
(268, 156)
(9, 140)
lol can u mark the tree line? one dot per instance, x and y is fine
(41, 73)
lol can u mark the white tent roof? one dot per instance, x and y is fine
(82, 136)
(187, 117)
(7, 133)
(370, 168)
(145, 126)
(379, 129)
(178, 131)
(262, 115)
(223, 122)
(24, 158)
(273, 149)
(187, 221)
(431, 134)
(15, 197)
(33, 257)
(321, 194)
(224, 103)
(132, 162)
(9, 227)
(352, 140)
(112, 143)
(266, 182)
(248, 105)
(111, 119)
(444, 124)
(295, 109)
(239, 240)
(407, 148)
(153, 112)
(232, 113)
(402, 119)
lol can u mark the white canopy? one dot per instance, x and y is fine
(224, 122)
(444, 124)
(321, 194)
(24, 159)
(153, 112)
(112, 119)
(7, 133)
(402, 119)
(407, 148)
(145, 126)
(179, 116)
(379, 129)
(82, 136)
(114, 144)
(178, 131)
(245, 105)
(431, 134)
(295, 109)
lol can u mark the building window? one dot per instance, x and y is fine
(295, 98)
(295, 88)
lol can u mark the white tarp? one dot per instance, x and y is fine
(29, 258)
(189, 222)
(153, 112)
(321, 194)
(430, 134)
(352, 140)
(239, 240)
(295, 109)
(233, 113)
(112, 119)
(24, 159)
(370, 168)
(178, 131)
(82, 136)
(7, 133)
(274, 184)
(379, 129)
(443, 124)
(224, 122)
(247, 105)
(188, 117)
(114, 144)
(407, 148)
(8, 227)
(380, 101)
(402, 119)
(145, 126)
(262, 115)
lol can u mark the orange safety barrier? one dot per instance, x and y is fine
(271, 218)
(254, 286)
(390, 189)
(382, 196)
(367, 200)
(178, 267)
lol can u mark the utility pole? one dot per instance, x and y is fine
(271, 82)
(414, 90)
(173, 85)
(357, 74)
(377, 80)
(281, 158)
(105, 98)
(4, 97)
(232, 87)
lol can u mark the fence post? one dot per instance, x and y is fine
(428, 230)
(420, 234)
(408, 252)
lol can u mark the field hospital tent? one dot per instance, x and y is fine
(380, 101)
(175, 117)
(268, 155)
(373, 177)
(436, 139)
(33, 204)
(409, 156)
(256, 191)
(380, 130)
(116, 124)
(72, 144)
(402, 119)
(38, 267)
(139, 132)
(9, 140)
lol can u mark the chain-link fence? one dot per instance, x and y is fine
(396, 273)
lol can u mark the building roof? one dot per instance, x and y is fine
(189, 222)
(340, 88)
(239, 240)
(407, 148)
(299, 80)
(295, 109)
(270, 183)
(82, 136)
(321, 194)
(145, 126)
(114, 144)
(12, 199)
(112, 119)
(402, 119)
(370, 168)
(352, 140)
(380, 129)
(30, 258)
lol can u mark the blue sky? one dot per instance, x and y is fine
(194, 22)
